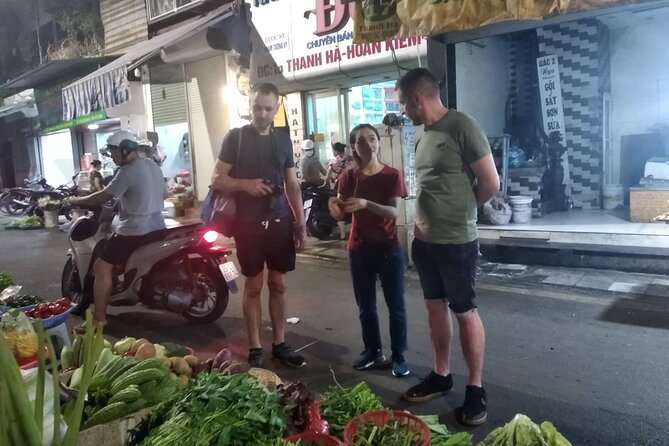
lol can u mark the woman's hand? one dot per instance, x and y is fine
(335, 206)
(354, 204)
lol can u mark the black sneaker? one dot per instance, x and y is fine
(432, 386)
(475, 407)
(285, 354)
(369, 360)
(255, 357)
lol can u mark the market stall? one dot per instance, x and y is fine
(136, 392)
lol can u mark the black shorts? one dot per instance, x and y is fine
(268, 243)
(118, 248)
(447, 272)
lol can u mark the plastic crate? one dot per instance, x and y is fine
(383, 417)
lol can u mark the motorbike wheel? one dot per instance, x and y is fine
(12, 207)
(216, 299)
(71, 288)
(320, 226)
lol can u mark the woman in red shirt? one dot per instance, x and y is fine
(372, 193)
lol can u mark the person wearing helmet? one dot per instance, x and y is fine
(311, 167)
(140, 189)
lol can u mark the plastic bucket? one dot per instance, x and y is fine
(521, 208)
(50, 219)
(613, 196)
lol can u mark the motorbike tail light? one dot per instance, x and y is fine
(210, 236)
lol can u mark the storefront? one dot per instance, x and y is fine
(306, 47)
(171, 90)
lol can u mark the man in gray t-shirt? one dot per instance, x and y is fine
(140, 188)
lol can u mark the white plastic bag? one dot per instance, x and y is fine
(497, 211)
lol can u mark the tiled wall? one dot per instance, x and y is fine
(580, 45)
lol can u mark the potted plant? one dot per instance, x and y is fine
(50, 207)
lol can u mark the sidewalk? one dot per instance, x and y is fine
(593, 279)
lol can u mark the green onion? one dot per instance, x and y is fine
(56, 391)
(41, 370)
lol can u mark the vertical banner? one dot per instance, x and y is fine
(550, 90)
(293, 104)
(552, 112)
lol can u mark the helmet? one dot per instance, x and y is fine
(123, 140)
(307, 144)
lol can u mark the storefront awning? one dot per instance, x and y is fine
(28, 109)
(109, 86)
(53, 72)
(411, 18)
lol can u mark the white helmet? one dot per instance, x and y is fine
(307, 144)
(123, 140)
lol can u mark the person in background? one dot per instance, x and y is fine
(256, 165)
(338, 165)
(455, 174)
(96, 177)
(373, 193)
(311, 168)
(140, 189)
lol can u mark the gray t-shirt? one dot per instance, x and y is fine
(141, 189)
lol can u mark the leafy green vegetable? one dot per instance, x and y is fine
(441, 436)
(5, 280)
(390, 434)
(552, 436)
(340, 404)
(522, 431)
(172, 349)
(218, 409)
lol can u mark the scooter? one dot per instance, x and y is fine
(316, 213)
(179, 269)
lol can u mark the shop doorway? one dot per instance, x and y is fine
(326, 118)
(7, 178)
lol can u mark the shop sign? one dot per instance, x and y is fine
(81, 120)
(378, 20)
(293, 102)
(304, 39)
(550, 91)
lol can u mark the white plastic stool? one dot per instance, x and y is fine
(62, 336)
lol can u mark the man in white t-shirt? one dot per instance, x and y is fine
(140, 188)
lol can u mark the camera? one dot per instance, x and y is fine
(277, 193)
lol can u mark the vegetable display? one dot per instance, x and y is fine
(522, 431)
(5, 280)
(22, 300)
(19, 335)
(390, 434)
(441, 436)
(48, 309)
(339, 405)
(218, 408)
(33, 222)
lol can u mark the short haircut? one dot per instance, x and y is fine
(418, 79)
(96, 163)
(265, 89)
(339, 147)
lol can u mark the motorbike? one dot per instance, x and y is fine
(317, 216)
(16, 200)
(178, 269)
(24, 201)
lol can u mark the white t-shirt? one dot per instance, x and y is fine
(140, 188)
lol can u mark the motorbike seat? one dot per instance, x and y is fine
(83, 228)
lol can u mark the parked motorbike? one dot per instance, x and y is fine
(178, 269)
(316, 213)
(24, 201)
(15, 201)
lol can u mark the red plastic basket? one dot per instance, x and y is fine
(322, 439)
(383, 417)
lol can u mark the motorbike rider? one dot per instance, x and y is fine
(311, 168)
(140, 189)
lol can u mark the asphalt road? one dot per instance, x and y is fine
(594, 364)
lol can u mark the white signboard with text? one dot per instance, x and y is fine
(296, 40)
(551, 94)
(552, 111)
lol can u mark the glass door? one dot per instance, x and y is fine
(326, 121)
